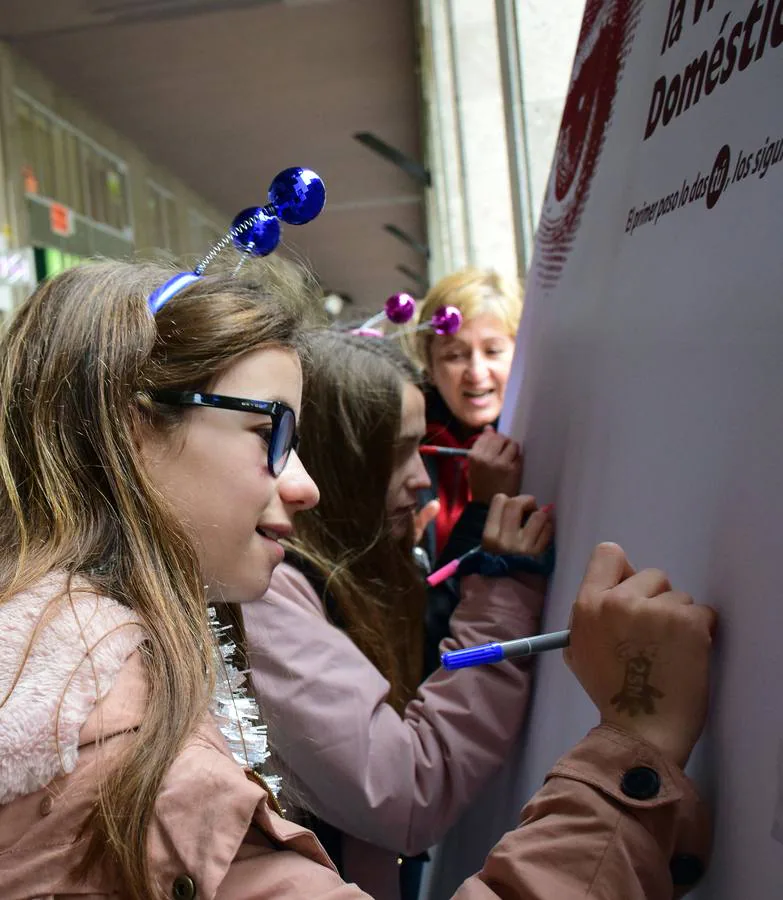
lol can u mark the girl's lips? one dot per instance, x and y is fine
(270, 542)
(275, 532)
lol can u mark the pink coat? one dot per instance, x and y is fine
(214, 835)
(393, 785)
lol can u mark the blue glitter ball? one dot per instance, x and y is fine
(298, 195)
(263, 235)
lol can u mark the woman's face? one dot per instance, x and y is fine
(409, 475)
(213, 471)
(470, 369)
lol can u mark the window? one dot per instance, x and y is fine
(44, 155)
(76, 195)
(163, 217)
(62, 164)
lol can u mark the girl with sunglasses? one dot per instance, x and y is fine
(136, 487)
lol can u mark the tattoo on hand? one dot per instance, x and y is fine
(637, 695)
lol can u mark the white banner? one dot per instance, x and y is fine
(648, 383)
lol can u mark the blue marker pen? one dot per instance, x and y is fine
(483, 654)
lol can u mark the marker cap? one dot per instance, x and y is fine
(472, 656)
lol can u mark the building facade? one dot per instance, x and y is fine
(74, 189)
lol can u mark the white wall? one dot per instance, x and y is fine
(470, 213)
(537, 41)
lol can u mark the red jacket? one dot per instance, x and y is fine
(449, 474)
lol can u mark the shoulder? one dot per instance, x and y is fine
(203, 810)
(297, 655)
(122, 709)
(206, 808)
(292, 584)
(288, 619)
(187, 841)
(63, 649)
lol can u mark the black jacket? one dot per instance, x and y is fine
(465, 535)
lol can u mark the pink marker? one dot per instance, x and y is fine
(450, 568)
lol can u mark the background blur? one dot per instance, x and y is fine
(133, 127)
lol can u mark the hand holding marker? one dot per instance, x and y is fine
(529, 541)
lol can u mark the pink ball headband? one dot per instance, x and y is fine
(296, 196)
(399, 309)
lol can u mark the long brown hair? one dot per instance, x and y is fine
(351, 412)
(78, 362)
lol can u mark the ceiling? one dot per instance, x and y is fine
(224, 99)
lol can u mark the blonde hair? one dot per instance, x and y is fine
(474, 292)
(78, 365)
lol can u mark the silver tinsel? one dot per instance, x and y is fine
(235, 711)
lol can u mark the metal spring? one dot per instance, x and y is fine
(219, 246)
(246, 254)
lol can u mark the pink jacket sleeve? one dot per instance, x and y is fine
(579, 837)
(395, 782)
(212, 825)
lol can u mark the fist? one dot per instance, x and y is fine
(516, 525)
(641, 651)
(494, 466)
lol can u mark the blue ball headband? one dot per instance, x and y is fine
(296, 196)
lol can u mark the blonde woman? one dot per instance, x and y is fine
(466, 377)
(467, 374)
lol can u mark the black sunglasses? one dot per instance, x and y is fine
(284, 438)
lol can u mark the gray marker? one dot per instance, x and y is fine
(483, 654)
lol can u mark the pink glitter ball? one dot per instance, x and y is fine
(400, 308)
(446, 320)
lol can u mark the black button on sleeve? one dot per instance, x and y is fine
(685, 869)
(184, 888)
(640, 783)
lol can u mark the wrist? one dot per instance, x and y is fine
(674, 748)
(507, 564)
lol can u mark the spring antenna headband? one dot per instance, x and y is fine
(400, 309)
(296, 196)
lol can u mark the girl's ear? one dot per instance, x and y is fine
(146, 435)
(141, 419)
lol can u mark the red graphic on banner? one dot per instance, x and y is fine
(607, 31)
